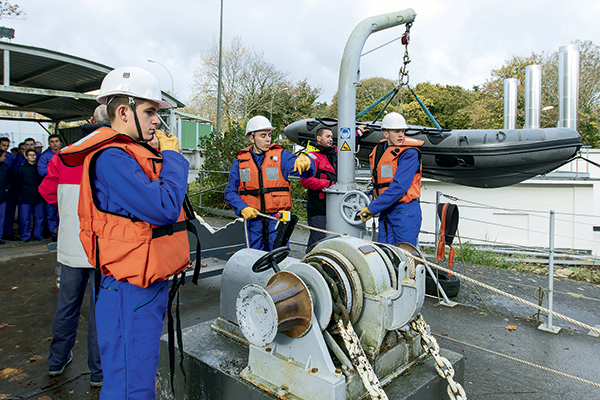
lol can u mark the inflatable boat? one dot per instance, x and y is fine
(486, 158)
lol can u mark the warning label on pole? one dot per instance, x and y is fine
(345, 147)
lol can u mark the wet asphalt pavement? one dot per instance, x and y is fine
(28, 298)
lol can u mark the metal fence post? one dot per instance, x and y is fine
(438, 196)
(547, 327)
(200, 181)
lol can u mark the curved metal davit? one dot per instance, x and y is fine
(349, 77)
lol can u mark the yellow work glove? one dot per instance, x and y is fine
(249, 213)
(167, 142)
(365, 214)
(302, 163)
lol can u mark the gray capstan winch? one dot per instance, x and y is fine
(287, 317)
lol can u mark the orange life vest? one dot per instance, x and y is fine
(124, 247)
(384, 163)
(266, 189)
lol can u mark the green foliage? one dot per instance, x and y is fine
(450, 105)
(218, 152)
(472, 255)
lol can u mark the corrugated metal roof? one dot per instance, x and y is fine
(192, 116)
(50, 83)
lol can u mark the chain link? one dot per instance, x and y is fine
(360, 361)
(442, 365)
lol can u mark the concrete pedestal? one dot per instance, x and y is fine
(213, 364)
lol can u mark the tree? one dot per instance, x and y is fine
(450, 105)
(487, 112)
(8, 10)
(248, 83)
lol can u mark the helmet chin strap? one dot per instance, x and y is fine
(133, 106)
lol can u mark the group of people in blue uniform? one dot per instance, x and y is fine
(132, 227)
(20, 178)
(258, 182)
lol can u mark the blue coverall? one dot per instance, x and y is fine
(129, 318)
(399, 222)
(255, 225)
(51, 209)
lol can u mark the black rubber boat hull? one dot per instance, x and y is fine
(489, 158)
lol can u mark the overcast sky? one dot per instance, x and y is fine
(452, 42)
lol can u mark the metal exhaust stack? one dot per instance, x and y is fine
(349, 78)
(533, 96)
(510, 103)
(568, 86)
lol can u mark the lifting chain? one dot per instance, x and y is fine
(403, 77)
(403, 74)
(442, 364)
(351, 340)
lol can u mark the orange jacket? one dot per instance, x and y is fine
(384, 164)
(128, 249)
(265, 190)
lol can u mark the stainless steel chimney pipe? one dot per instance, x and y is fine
(568, 85)
(533, 96)
(510, 103)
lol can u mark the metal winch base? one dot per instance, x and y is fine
(213, 364)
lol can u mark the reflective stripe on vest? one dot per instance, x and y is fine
(266, 189)
(124, 247)
(384, 163)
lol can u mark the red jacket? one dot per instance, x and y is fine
(326, 175)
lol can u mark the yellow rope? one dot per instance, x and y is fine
(520, 361)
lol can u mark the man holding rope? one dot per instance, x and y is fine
(258, 182)
(396, 171)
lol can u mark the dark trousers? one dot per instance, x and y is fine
(316, 221)
(52, 219)
(25, 212)
(9, 215)
(73, 283)
(2, 216)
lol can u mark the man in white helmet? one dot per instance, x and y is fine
(133, 228)
(396, 173)
(258, 181)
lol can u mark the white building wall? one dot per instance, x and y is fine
(521, 214)
(18, 131)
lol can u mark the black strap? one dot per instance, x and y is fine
(284, 231)
(168, 230)
(190, 216)
(265, 233)
(178, 281)
(379, 150)
(97, 273)
(381, 185)
(261, 191)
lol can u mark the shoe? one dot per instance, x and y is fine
(23, 241)
(96, 384)
(41, 240)
(60, 371)
(12, 238)
(2, 241)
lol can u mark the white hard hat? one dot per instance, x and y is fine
(133, 82)
(258, 123)
(38, 144)
(393, 121)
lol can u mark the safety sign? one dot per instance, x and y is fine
(345, 147)
(345, 133)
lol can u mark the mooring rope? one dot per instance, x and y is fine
(510, 296)
(466, 278)
(519, 360)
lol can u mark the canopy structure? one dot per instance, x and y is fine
(52, 84)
